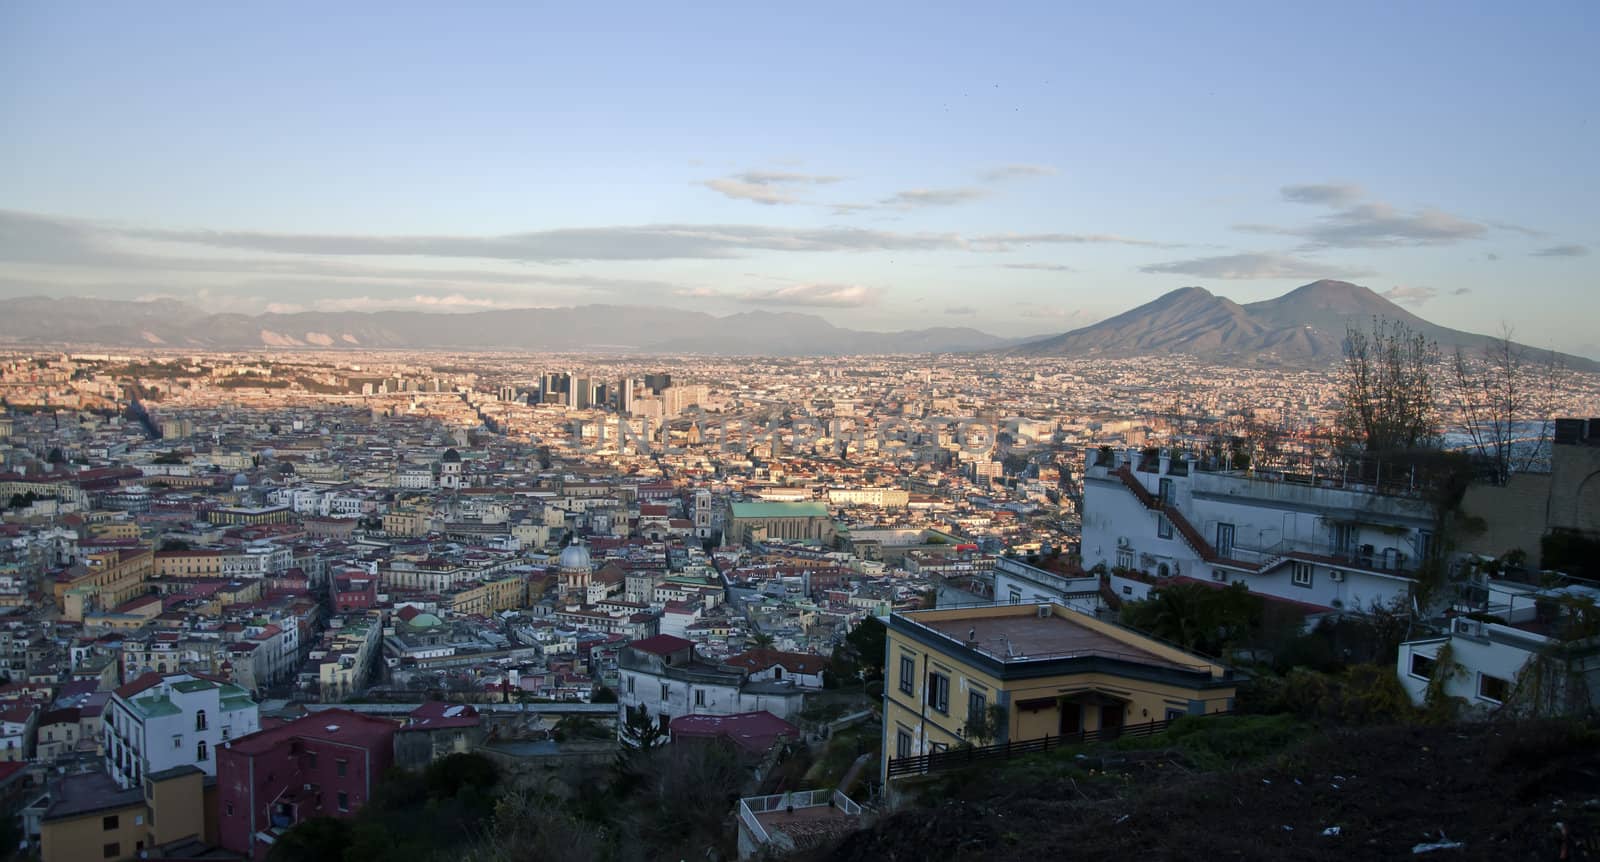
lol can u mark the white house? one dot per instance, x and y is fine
(1487, 659)
(158, 722)
(1016, 582)
(1345, 547)
(664, 675)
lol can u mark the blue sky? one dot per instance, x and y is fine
(1021, 168)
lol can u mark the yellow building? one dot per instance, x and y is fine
(408, 523)
(114, 530)
(104, 581)
(90, 817)
(1052, 671)
(203, 563)
(502, 594)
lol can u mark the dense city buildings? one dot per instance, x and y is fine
(384, 558)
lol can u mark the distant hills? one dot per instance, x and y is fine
(1305, 327)
(167, 323)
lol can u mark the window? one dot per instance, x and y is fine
(109, 823)
(344, 801)
(908, 674)
(225, 733)
(112, 850)
(200, 750)
(976, 703)
(1016, 597)
(902, 744)
(1493, 688)
(200, 720)
(666, 692)
(1124, 558)
(939, 692)
(1165, 492)
(699, 697)
(630, 685)
(177, 741)
(230, 809)
(1174, 714)
(341, 766)
(1302, 574)
(1163, 526)
(311, 760)
(1422, 665)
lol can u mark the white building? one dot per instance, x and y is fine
(1327, 547)
(1016, 582)
(664, 675)
(158, 722)
(1487, 660)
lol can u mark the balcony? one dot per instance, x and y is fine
(786, 822)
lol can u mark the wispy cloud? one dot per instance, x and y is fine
(918, 198)
(1042, 267)
(815, 296)
(766, 187)
(1570, 250)
(1327, 194)
(960, 310)
(1253, 265)
(1413, 296)
(1009, 241)
(1015, 171)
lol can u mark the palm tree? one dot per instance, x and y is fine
(762, 640)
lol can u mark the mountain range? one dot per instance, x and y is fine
(611, 328)
(1303, 328)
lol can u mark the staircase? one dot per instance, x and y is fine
(1191, 536)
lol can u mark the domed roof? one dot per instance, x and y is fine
(425, 621)
(575, 556)
(240, 479)
(451, 456)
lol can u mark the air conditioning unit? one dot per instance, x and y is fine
(1218, 575)
(1470, 628)
(1044, 611)
(1336, 576)
(1122, 542)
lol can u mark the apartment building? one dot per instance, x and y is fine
(665, 676)
(1322, 543)
(1052, 670)
(326, 764)
(90, 816)
(158, 722)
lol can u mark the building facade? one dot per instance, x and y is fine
(159, 722)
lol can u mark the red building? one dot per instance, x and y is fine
(325, 764)
(354, 591)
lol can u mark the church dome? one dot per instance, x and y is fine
(575, 557)
(240, 480)
(451, 456)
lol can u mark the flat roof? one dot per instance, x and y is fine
(1026, 637)
(780, 510)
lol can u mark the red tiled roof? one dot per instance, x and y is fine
(436, 714)
(752, 731)
(336, 725)
(143, 683)
(762, 659)
(662, 645)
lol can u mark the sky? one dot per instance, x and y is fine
(1021, 168)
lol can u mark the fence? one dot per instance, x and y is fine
(959, 758)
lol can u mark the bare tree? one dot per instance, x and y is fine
(1387, 383)
(1497, 395)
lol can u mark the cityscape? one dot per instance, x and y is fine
(520, 435)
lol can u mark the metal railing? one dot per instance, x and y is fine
(751, 807)
(959, 758)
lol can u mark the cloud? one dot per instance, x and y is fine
(1570, 250)
(961, 310)
(1328, 194)
(1253, 265)
(766, 187)
(918, 198)
(758, 192)
(1378, 225)
(1043, 267)
(698, 292)
(1015, 171)
(1461, 291)
(1410, 295)
(1009, 241)
(1036, 311)
(815, 296)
